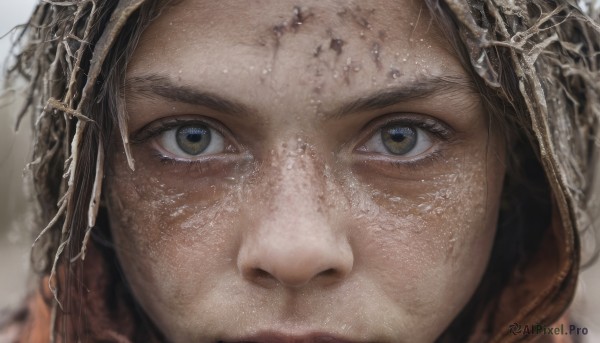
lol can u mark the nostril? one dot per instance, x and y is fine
(329, 272)
(261, 274)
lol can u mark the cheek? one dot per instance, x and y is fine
(170, 234)
(428, 240)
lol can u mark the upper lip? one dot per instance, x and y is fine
(277, 337)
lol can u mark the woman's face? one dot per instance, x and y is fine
(303, 170)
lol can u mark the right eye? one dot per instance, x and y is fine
(191, 140)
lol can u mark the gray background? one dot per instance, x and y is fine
(15, 236)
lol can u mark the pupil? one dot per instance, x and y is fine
(397, 135)
(194, 137)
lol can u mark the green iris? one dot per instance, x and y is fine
(399, 139)
(193, 139)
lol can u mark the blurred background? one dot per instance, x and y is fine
(15, 150)
(15, 230)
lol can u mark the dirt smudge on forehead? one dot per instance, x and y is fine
(359, 16)
(375, 54)
(300, 15)
(336, 45)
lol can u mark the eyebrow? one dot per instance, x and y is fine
(153, 85)
(424, 87)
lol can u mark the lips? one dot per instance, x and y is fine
(285, 338)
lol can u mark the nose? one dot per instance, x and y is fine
(295, 243)
(295, 259)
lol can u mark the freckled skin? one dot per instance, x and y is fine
(294, 229)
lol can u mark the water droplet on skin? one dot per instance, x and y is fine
(225, 71)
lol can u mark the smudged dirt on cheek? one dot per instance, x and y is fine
(439, 218)
(428, 232)
(163, 228)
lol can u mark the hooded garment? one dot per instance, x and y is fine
(539, 289)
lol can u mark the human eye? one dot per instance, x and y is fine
(191, 140)
(405, 140)
(185, 140)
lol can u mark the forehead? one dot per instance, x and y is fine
(278, 45)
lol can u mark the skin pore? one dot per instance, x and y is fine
(304, 171)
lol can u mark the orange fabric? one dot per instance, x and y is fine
(37, 328)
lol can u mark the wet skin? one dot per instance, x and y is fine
(349, 186)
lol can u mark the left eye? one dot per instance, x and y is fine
(192, 140)
(399, 140)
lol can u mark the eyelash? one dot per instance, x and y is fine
(156, 129)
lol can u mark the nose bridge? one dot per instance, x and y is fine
(295, 242)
